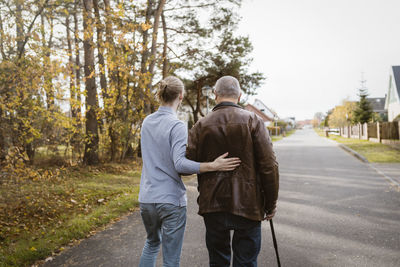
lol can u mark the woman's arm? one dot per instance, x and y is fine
(220, 164)
(183, 165)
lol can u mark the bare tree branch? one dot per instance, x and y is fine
(27, 34)
(185, 7)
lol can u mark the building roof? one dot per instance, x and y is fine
(396, 74)
(377, 103)
(255, 110)
(394, 87)
(263, 108)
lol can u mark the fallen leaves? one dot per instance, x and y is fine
(39, 211)
(49, 259)
(32, 206)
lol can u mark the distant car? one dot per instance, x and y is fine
(334, 131)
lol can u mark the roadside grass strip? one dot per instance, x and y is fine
(40, 217)
(373, 152)
(275, 138)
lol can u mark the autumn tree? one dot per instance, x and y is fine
(205, 51)
(80, 75)
(342, 115)
(318, 118)
(26, 92)
(92, 135)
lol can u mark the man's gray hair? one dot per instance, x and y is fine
(228, 86)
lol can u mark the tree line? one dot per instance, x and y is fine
(349, 113)
(81, 75)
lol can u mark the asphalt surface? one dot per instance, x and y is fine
(333, 210)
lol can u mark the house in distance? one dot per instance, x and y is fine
(259, 108)
(393, 96)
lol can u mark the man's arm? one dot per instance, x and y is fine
(267, 166)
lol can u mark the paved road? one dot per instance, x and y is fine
(333, 210)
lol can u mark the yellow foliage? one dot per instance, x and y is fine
(342, 115)
(145, 26)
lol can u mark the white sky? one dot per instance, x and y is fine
(313, 51)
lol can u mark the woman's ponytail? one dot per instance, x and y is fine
(169, 89)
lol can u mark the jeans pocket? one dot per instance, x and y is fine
(173, 216)
(148, 214)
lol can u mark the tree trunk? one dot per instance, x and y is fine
(165, 47)
(77, 67)
(70, 69)
(20, 27)
(72, 89)
(30, 151)
(114, 78)
(145, 33)
(145, 56)
(91, 156)
(195, 117)
(156, 24)
(3, 54)
(3, 142)
(198, 95)
(197, 86)
(77, 59)
(100, 49)
(47, 77)
(26, 147)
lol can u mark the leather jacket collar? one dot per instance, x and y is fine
(226, 104)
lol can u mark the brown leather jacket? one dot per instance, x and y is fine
(251, 190)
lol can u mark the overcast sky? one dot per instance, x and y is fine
(314, 51)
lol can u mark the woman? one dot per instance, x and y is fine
(162, 193)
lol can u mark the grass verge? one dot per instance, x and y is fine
(275, 138)
(373, 152)
(39, 217)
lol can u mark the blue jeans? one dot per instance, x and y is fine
(246, 242)
(165, 224)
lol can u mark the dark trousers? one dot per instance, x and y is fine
(246, 240)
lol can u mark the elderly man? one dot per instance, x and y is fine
(237, 200)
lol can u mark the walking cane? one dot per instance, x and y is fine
(275, 243)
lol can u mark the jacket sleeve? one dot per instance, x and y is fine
(266, 165)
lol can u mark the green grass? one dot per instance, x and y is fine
(373, 152)
(41, 217)
(275, 138)
(289, 133)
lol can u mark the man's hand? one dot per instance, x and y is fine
(270, 215)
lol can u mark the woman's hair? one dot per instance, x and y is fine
(169, 89)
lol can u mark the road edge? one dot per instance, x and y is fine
(364, 160)
(352, 152)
